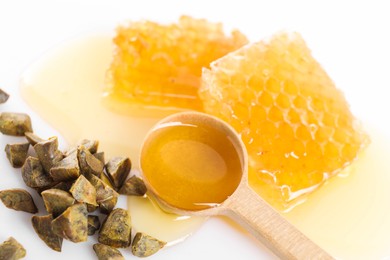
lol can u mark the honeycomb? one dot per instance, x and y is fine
(161, 65)
(295, 123)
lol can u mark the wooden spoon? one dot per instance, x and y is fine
(244, 206)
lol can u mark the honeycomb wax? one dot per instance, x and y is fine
(159, 65)
(296, 125)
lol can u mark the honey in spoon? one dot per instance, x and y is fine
(191, 166)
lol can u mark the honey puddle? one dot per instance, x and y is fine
(349, 216)
(65, 88)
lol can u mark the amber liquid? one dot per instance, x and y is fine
(349, 216)
(191, 165)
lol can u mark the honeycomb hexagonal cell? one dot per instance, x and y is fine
(296, 125)
(161, 65)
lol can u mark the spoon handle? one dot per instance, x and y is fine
(269, 227)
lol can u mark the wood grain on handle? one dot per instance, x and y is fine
(267, 225)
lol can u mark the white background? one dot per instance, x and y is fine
(351, 39)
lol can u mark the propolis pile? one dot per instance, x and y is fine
(77, 187)
(295, 123)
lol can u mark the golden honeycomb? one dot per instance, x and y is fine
(161, 65)
(295, 123)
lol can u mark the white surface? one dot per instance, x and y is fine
(351, 40)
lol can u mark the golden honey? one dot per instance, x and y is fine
(190, 164)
